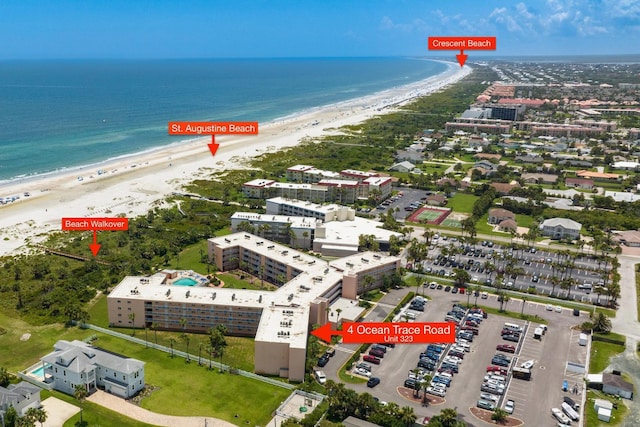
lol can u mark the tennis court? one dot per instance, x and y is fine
(430, 215)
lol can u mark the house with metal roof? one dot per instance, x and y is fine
(21, 397)
(78, 363)
(561, 228)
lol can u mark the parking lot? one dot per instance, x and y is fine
(533, 399)
(537, 268)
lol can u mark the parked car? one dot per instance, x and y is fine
(509, 406)
(497, 369)
(436, 391)
(363, 372)
(489, 396)
(371, 359)
(500, 362)
(507, 348)
(373, 381)
(322, 361)
(511, 337)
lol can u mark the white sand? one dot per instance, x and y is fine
(131, 186)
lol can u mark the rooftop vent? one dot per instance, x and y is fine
(227, 240)
(233, 297)
(188, 294)
(168, 292)
(260, 299)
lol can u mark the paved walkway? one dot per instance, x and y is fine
(58, 411)
(140, 414)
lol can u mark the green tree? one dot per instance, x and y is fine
(499, 416)
(217, 340)
(5, 377)
(601, 323)
(80, 393)
(132, 317)
(448, 417)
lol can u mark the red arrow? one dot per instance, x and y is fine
(213, 146)
(462, 58)
(95, 247)
(325, 332)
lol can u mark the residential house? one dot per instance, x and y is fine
(486, 167)
(616, 385)
(508, 225)
(598, 176)
(530, 159)
(539, 178)
(77, 363)
(447, 182)
(487, 156)
(21, 397)
(403, 167)
(576, 163)
(409, 156)
(561, 228)
(497, 215)
(436, 200)
(504, 188)
(584, 184)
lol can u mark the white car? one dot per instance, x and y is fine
(363, 372)
(528, 364)
(549, 307)
(558, 309)
(484, 295)
(452, 359)
(440, 392)
(489, 396)
(509, 406)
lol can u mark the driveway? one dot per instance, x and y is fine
(137, 413)
(58, 411)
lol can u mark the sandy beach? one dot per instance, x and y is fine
(132, 185)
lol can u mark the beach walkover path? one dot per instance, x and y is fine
(140, 414)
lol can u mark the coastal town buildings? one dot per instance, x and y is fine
(308, 288)
(329, 229)
(308, 183)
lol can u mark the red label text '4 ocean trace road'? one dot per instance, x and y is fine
(390, 332)
(462, 43)
(95, 225)
(213, 129)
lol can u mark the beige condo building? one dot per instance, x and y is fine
(280, 320)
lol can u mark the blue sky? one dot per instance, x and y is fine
(298, 28)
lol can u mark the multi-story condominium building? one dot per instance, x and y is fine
(77, 363)
(279, 320)
(479, 125)
(309, 183)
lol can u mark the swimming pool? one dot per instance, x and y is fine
(185, 281)
(38, 372)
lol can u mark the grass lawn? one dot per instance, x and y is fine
(198, 391)
(17, 355)
(234, 282)
(462, 203)
(617, 415)
(98, 314)
(601, 353)
(239, 352)
(92, 414)
(190, 258)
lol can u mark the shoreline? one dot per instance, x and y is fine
(132, 184)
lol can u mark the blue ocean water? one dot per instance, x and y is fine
(62, 114)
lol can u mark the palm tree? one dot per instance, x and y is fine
(407, 416)
(155, 325)
(40, 416)
(499, 415)
(476, 293)
(172, 341)
(80, 393)
(524, 300)
(338, 311)
(601, 323)
(185, 337)
(132, 317)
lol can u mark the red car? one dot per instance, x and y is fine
(507, 348)
(371, 359)
(493, 368)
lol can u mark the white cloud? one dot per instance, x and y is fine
(387, 24)
(524, 12)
